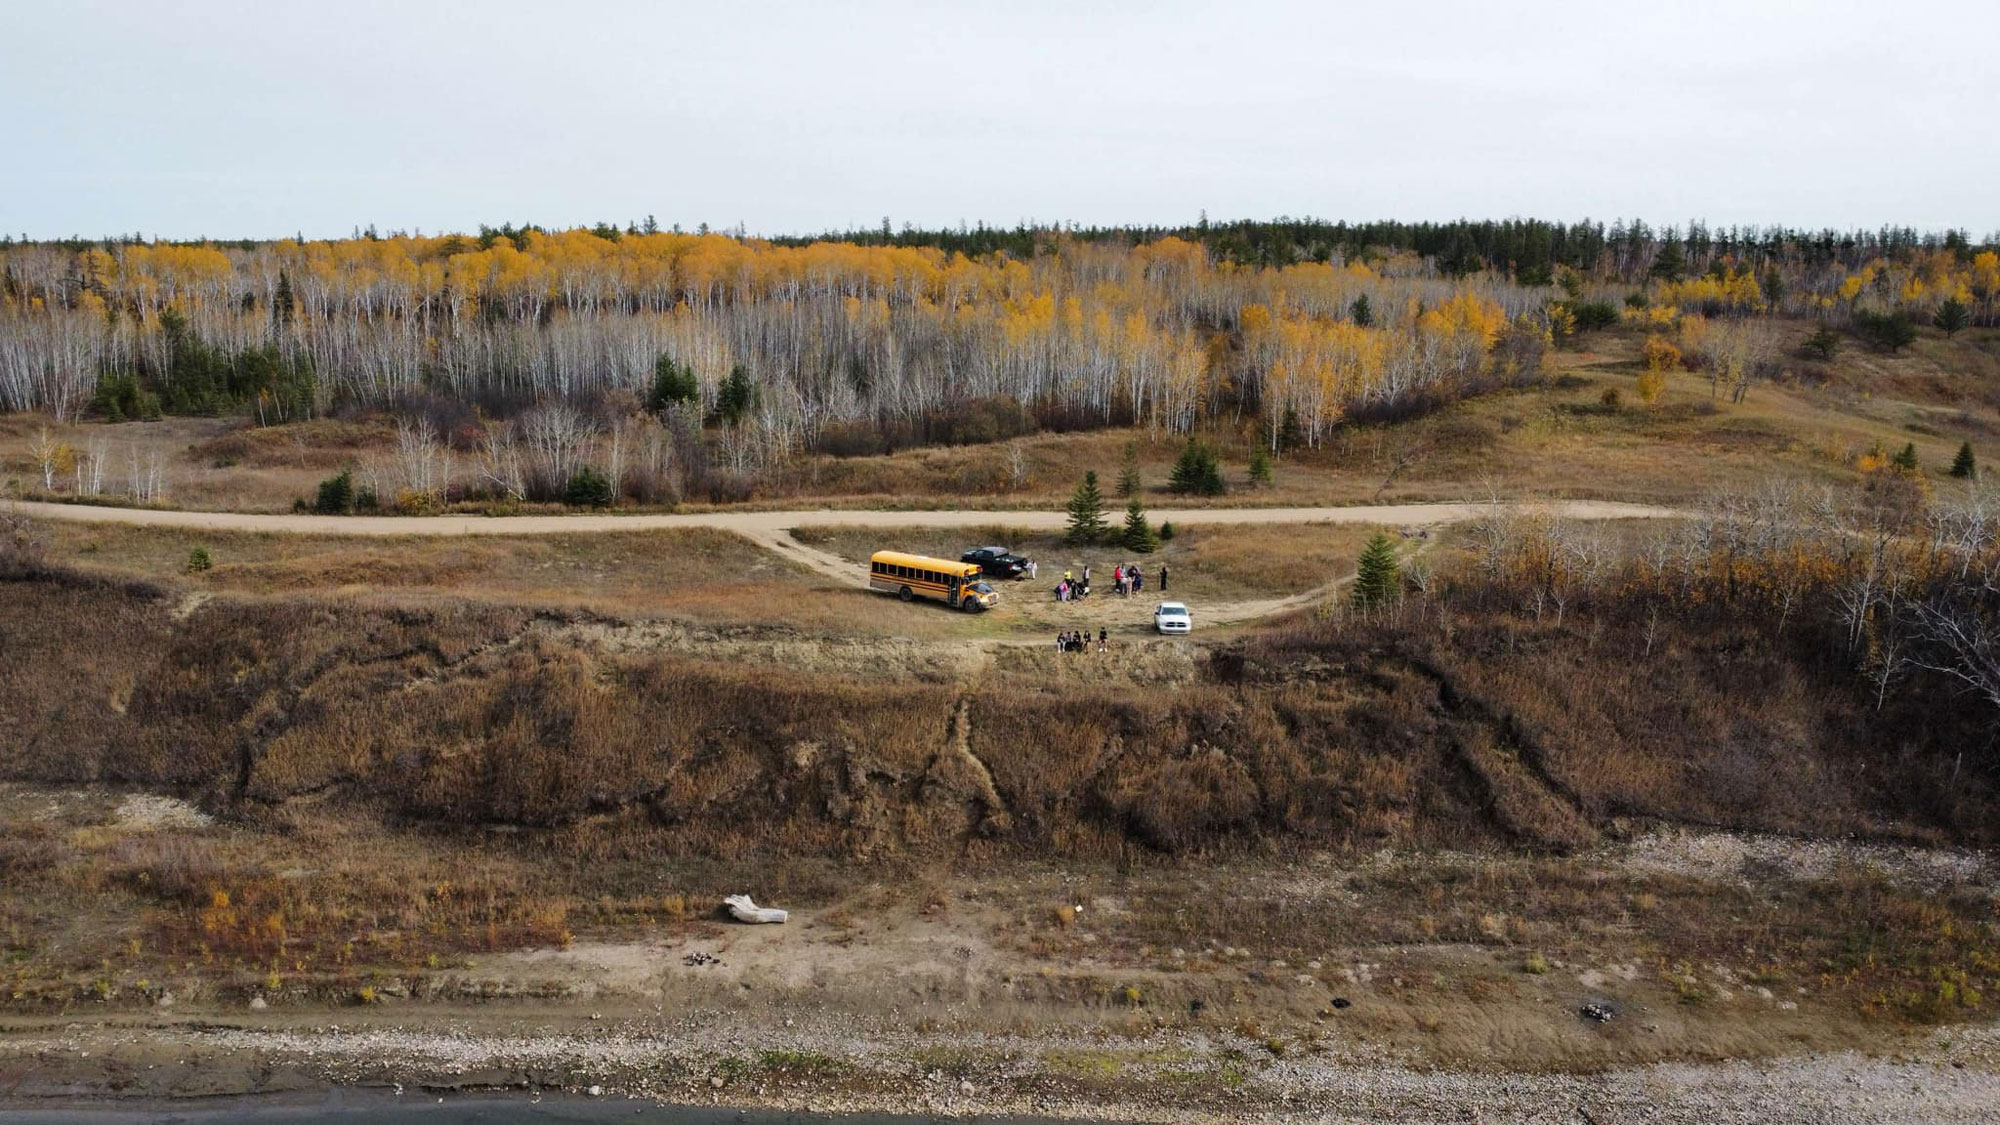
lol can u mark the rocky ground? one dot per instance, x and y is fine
(808, 1066)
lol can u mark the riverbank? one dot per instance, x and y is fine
(706, 1067)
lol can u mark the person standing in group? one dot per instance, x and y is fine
(1031, 570)
(1086, 576)
(1103, 635)
(1138, 580)
(1163, 578)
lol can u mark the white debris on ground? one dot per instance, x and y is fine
(743, 909)
(1736, 857)
(147, 810)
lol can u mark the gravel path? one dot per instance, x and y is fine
(772, 523)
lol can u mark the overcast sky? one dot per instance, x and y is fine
(266, 117)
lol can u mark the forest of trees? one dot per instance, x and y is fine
(797, 343)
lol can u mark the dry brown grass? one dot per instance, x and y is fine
(1410, 730)
(1206, 563)
(697, 572)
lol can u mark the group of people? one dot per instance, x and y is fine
(1131, 580)
(1128, 577)
(1070, 589)
(1079, 641)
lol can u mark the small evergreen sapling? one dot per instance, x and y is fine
(1260, 465)
(1378, 580)
(1139, 534)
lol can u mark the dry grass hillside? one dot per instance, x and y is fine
(401, 785)
(1559, 437)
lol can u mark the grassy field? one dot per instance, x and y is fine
(1212, 564)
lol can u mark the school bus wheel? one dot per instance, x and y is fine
(904, 593)
(969, 605)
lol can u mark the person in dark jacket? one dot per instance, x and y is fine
(1163, 578)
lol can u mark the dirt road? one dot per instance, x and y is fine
(772, 530)
(763, 524)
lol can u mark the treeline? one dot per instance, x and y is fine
(1530, 250)
(884, 338)
(821, 340)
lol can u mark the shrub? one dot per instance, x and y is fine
(1889, 332)
(1661, 354)
(1594, 315)
(22, 553)
(1518, 352)
(673, 384)
(1197, 472)
(1291, 435)
(737, 397)
(1128, 476)
(1823, 343)
(1651, 384)
(199, 560)
(336, 494)
(1166, 531)
(982, 421)
(587, 488)
(1953, 316)
(1260, 465)
(1611, 399)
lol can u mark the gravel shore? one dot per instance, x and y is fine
(1181, 1077)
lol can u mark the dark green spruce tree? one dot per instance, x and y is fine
(1139, 534)
(1086, 511)
(1379, 579)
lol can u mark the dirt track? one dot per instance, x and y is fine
(772, 530)
(762, 524)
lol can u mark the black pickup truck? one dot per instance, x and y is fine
(997, 562)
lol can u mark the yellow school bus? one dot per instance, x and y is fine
(914, 576)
